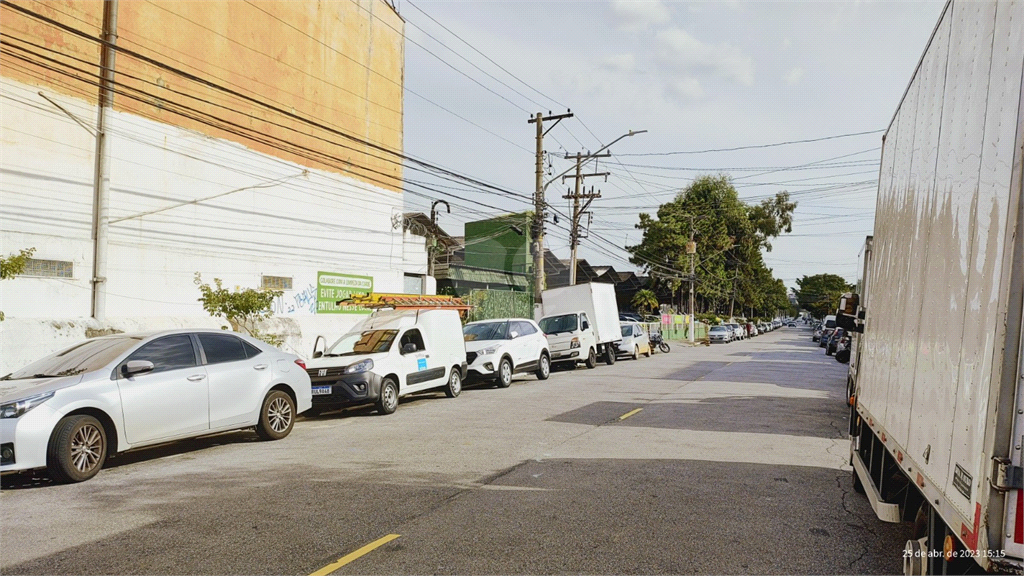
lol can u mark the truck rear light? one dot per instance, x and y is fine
(301, 363)
(1018, 522)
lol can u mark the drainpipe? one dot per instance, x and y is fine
(101, 190)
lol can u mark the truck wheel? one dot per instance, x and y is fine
(504, 379)
(592, 359)
(609, 354)
(77, 449)
(857, 486)
(454, 387)
(387, 403)
(543, 367)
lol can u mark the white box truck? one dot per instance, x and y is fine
(581, 323)
(937, 408)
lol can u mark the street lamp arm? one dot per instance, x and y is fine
(591, 156)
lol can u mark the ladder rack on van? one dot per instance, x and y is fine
(405, 302)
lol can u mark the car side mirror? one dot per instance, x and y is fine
(408, 348)
(133, 367)
(318, 354)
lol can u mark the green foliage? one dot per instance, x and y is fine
(644, 301)
(14, 264)
(11, 266)
(729, 236)
(488, 304)
(708, 318)
(244, 309)
(819, 294)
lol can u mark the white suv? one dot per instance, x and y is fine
(497, 349)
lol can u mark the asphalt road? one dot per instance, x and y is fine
(728, 459)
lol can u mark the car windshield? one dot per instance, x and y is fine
(720, 329)
(627, 330)
(366, 342)
(486, 331)
(830, 324)
(85, 357)
(556, 324)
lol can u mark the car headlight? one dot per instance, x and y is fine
(488, 351)
(360, 367)
(19, 407)
(575, 343)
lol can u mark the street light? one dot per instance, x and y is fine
(538, 275)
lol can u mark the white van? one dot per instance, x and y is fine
(389, 355)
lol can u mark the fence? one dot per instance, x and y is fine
(673, 327)
(488, 304)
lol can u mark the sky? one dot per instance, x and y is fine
(697, 76)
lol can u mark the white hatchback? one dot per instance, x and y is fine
(634, 340)
(72, 409)
(497, 349)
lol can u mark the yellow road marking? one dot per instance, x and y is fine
(630, 413)
(354, 555)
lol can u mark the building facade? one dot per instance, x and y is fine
(258, 143)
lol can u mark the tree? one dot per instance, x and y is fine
(243, 309)
(644, 301)
(819, 294)
(729, 235)
(14, 264)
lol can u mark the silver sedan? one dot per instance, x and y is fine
(72, 409)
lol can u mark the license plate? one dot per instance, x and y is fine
(321, 390)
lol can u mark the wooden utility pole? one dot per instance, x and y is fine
(577, 211)
(538, 202)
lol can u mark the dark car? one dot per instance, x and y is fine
(833, 341)
(826, 333)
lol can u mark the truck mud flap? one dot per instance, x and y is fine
(886, 512)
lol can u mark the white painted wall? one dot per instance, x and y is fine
(277, 218)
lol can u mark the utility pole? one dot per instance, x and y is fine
(538, 201)
(577, 212)
(101, 186)
(431, 237)
(691, 249)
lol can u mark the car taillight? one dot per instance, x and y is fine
(301, 363)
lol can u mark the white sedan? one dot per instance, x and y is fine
(496, 349)
(72, 409)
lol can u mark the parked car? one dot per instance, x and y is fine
(630, 317)
(826, 333)
(73, 409)
(816, 335)
(497, 349)
(634, 341)
(833, 341)
(738, 332)
(751, 329)
(723, 333)
(390, 354)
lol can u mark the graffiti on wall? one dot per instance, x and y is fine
(297, 302)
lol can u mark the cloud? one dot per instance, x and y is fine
(678, 50)
(685, 88)
(619, 63)
(640, 14)
(794, 75)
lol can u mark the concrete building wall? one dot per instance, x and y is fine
(190, 195)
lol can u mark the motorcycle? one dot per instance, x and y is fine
(659, 342)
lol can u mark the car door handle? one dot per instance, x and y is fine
(196, 377)
(426, 355)
(260, 367)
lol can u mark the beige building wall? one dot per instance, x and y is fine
(316, 83)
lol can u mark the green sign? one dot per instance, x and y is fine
(332, 287)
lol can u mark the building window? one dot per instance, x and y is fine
(49, 268)
(277, 283)
(414, 284)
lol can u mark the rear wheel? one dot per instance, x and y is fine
(592, 359)
(77, 449)
(543, 367)
(636, 352)
(609, 354)
(454, 387)
(277, 416)
(504, 379)
(387, 403)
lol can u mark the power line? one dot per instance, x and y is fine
(756, 146)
